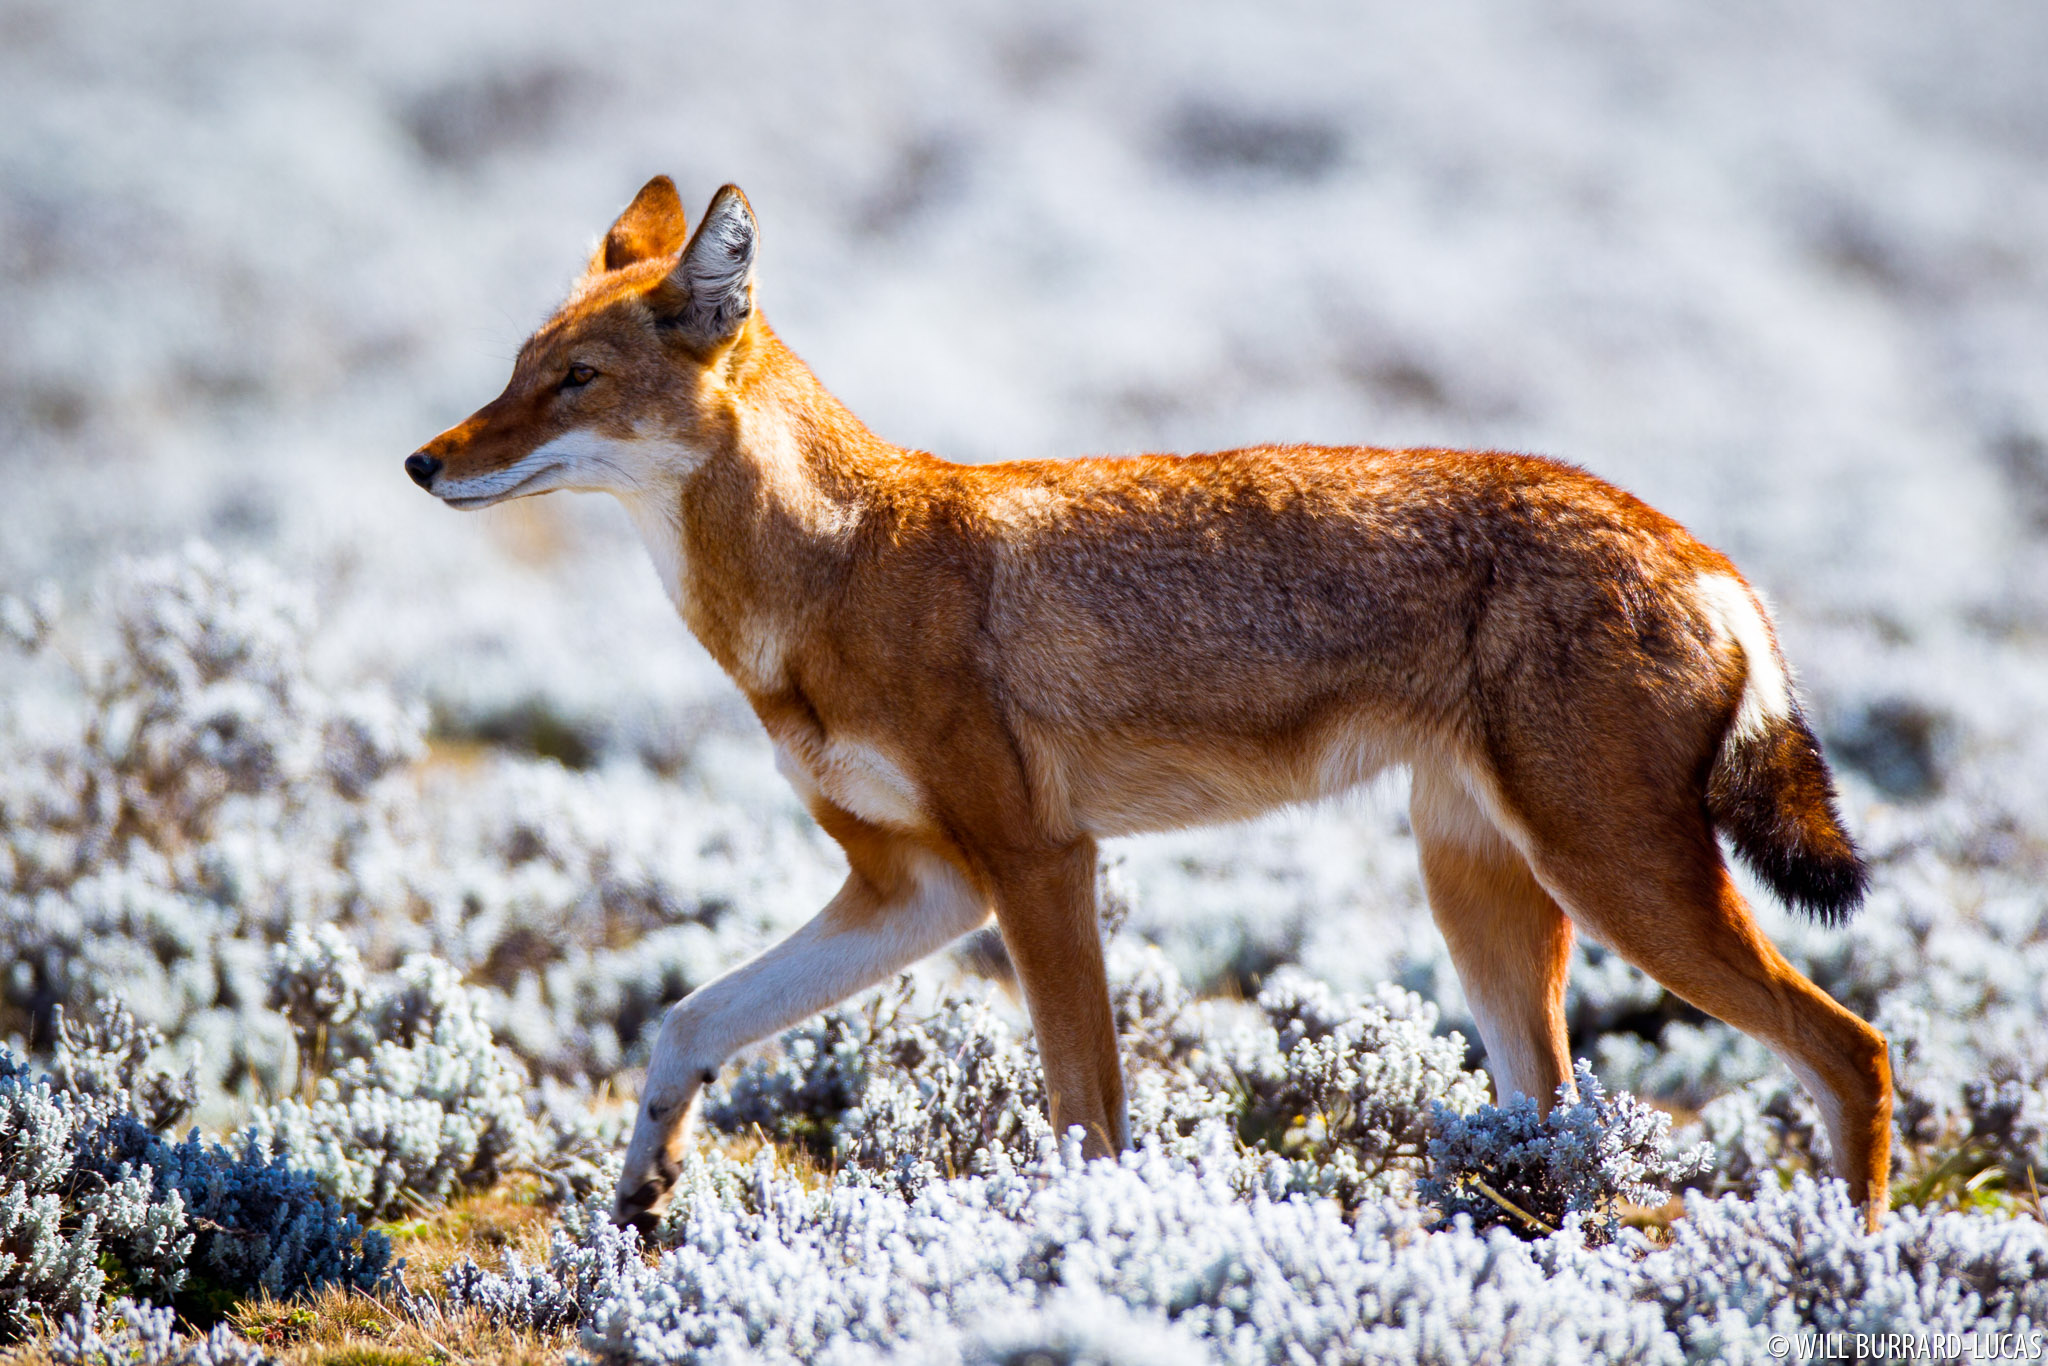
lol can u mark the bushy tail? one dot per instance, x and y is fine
(1771, 793)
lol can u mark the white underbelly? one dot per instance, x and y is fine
(1132, 787)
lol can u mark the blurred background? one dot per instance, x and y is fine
(1780, 269)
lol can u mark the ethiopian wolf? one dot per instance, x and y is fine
(973, 673)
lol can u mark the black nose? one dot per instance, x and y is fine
(422, 467)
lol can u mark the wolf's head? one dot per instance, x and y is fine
(625, 388)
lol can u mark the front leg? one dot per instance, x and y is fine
(1045, 904)
(894, 909)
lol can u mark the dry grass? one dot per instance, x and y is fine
(349, 1328)
(791, 1160)
(510, 1217)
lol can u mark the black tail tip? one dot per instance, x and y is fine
(1828, 887)
(1773, 796)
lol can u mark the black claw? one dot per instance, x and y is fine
(636, 1211)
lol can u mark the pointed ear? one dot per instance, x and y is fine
(652, 225)
(711, 290)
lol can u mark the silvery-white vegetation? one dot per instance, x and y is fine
(130, 1334)
(1317, 1170)
(370, 841)
(1586, 1159)
(1229, 1267)
(95, 1186)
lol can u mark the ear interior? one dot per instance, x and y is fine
(713, 282)
(652, 225)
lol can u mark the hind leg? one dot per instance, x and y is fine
(1654, 887)
(1510, 942)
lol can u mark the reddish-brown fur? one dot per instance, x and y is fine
(975, 672)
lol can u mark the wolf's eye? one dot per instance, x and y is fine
(578, 376)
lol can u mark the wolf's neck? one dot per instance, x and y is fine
(757, 544)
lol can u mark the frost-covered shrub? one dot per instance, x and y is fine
(49, 1234)
(1079, 1329)
(1759, 1131)
(188, 793)
(1508, 1166)
(580, 1274)
(107, 1062)
(250, 1221)
(888, 1092)
(816, 1072)
(1686, 1065)
(2009, 1126)
(960, 1090)
(884, 1089)
(1076, 1258)
(317, 982)
(1159, 1024)
(145, 1335)
(1798, 1260)
(89, 1188)
(1341, 1088)
(411, 1098)
(585, 903)
(183, 791)
(1347, 1087)
(589, 1260)
(261, 1224)
(203, 696)
(980, 1266)
(89, 1159)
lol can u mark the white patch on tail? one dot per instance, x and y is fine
(1738, 617)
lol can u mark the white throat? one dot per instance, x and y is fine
(657, 514)
(645, 474)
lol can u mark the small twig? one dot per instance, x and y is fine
(311, 1069)
(2034, 1192)
(1510, 1206)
